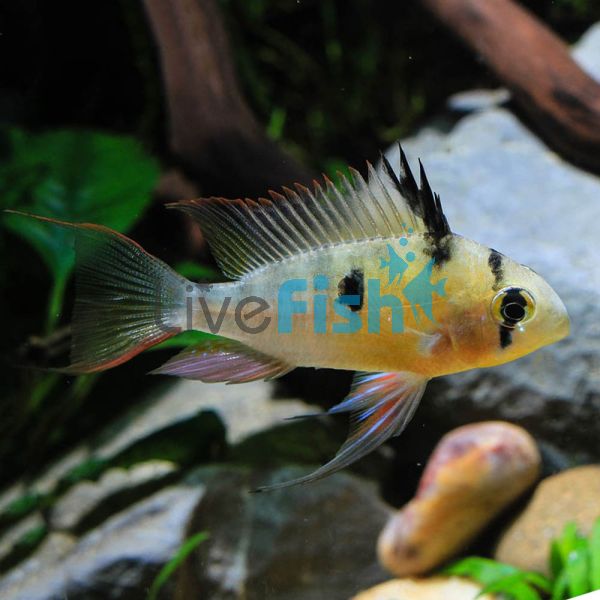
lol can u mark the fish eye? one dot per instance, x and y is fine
(513, 305)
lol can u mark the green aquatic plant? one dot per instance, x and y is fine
(182, 553)
(75, 176)
(500, 578)
(574, 566)
(575, 562)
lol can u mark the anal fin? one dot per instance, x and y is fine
(223, 360)
(381, 404)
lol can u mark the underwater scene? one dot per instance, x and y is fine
(301, 300)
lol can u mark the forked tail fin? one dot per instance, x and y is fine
(126, 300)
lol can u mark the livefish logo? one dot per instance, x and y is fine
(395, 289)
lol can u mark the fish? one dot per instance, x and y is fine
(363, 275)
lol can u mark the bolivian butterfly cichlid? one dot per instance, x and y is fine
(365, 276)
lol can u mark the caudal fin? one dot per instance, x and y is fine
(126, 300)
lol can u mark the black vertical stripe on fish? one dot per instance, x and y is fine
(353, 284)
(495, 264)
(505, 336)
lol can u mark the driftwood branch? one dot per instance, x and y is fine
(213, 135)
(560, 99)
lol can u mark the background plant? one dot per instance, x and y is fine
(574, 566)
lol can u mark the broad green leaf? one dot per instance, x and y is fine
(512, 587)
(80, 176)
(594, 545)
(562, 546)
(538, 580)
(577, 570)
(559, 591)
(523, 591)
(556, 561)
(167, 571)
(501, 578)
(568, 540)
(570, 556)
(483, 570)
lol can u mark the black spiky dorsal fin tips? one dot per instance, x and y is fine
(425, 187)
(405, 183)
(422, 200)
(424, 204)
(407, 179)
(440, 212)
(389, 171)
(428, 203)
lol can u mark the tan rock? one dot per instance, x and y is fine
(434, 588)
(473, 474)
(573, 495)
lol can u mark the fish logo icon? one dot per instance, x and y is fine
(419, 292)
(395, 264)
(420, 289)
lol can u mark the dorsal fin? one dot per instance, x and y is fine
(245, 235)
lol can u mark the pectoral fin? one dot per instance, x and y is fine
(223, 360)
(381, 405)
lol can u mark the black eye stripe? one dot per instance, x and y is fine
(505, 336)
